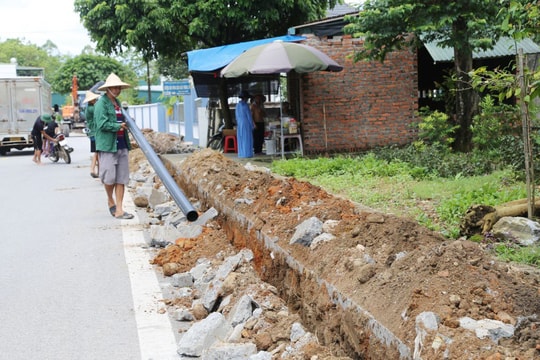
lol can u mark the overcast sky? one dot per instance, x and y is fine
(37, 21)
(40, 20)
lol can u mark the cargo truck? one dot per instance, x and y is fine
(22, 100)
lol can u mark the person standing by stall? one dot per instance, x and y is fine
(244, 126)
(258, 113)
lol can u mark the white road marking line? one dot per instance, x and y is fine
(156, 337)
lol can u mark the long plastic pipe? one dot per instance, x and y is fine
(178, 196)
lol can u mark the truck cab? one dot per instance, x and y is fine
(24, 95)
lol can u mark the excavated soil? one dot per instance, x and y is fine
(390, 266)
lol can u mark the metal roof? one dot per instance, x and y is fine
(504, 47)
(340, 10)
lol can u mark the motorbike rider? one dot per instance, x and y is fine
(51, 129)
(38, 133)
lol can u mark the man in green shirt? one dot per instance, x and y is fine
(112, 145)
(90, 99)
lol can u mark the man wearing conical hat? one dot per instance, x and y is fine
(90, 99)
(112, 145)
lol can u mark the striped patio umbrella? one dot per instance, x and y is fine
(279, 57)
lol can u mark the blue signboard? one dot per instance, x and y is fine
(175, 88)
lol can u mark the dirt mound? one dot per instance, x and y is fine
(163, 143)
(390, 266)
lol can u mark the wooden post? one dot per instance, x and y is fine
(526, 125)
(324, 126)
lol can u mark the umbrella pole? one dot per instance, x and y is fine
(281, 141)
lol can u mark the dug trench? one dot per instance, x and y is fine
(365, 288)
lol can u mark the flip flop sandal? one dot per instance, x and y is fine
(94, 175)
(125, 216)
(112, 210)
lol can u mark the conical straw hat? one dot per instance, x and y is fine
(112, 81)
(89, 96)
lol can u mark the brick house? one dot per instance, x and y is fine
(367, 105)
(372, 104)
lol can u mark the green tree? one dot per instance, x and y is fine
(172, 27)
(51, 48)
(167, 29)
(172, 68)
(90, 69)
(31, 55)
(464, 25)
(520, 19)
(139, 25)
(147, 70)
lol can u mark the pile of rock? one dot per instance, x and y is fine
(222, 308)
(225, 323)
(166, 143)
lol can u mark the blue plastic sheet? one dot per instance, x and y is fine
(212, 59)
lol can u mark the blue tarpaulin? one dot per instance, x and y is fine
(204, 66)
(212, 59)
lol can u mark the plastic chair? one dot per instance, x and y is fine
(292, 136)
(230, 144)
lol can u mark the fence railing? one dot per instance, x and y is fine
(189, 121)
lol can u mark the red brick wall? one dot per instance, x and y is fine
(368, 104)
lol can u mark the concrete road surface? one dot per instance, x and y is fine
(75, 283)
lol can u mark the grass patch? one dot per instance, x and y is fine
(395, 186)
(433, 188)
(522, 255)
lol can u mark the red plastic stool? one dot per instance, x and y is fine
(230, 144)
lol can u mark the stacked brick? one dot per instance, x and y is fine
(369, 104)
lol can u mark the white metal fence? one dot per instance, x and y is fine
(189, 121)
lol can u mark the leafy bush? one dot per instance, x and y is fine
(438, 161)
(495, 122)
(435, 129)
(511, 153)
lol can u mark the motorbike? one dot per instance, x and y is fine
(60, 149)
(216, 141)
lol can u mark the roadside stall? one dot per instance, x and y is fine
(205, 65)
(279, 57)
